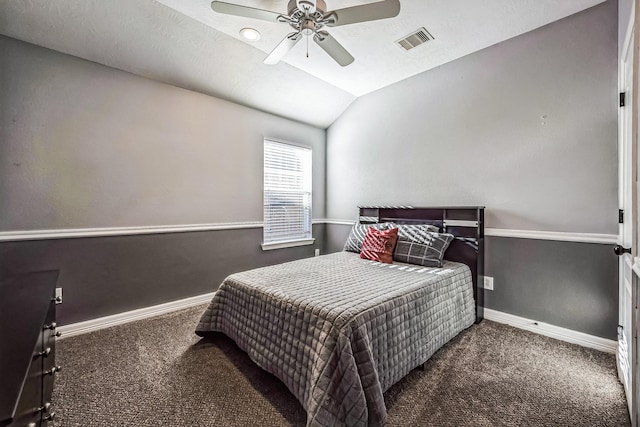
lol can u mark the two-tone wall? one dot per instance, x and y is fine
(527, 128)
(88, 150)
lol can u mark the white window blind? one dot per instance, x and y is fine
(287, 192)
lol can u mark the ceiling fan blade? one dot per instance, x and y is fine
(333, 48)
(247, 12)
(366, 12)
(283, 47)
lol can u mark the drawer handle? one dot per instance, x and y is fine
(50, 417)
(45, 353)
(53, 370)
(52, 326)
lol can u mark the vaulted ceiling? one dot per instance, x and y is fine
(186, 44)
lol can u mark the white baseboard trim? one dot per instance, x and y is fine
(131, 316)
(562, 334)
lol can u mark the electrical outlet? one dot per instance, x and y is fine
(487, 282)
(317, 252)
(58, 295)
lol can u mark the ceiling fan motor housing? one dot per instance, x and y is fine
(306, 17)
(309, 6)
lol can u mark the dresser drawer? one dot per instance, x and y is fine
(27, 369)
(30, 404)
(49, 367)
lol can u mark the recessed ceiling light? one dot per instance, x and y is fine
(250, 34)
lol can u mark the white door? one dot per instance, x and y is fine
(628, 236)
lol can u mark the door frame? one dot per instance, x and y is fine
(629, 264)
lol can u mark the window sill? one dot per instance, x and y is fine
(287, 244)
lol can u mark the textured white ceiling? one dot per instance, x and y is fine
(145, 37)
(460, 27)
(185, 43)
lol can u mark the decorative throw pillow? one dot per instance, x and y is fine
(378, 245)
(417, 245)
(359, 232)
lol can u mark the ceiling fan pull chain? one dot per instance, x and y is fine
(307, 46)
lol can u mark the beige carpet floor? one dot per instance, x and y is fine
(156, 372)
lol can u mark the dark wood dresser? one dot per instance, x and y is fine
(27, 349)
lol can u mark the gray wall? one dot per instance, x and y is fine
(567, 284)
(527, 128)
(84, 145)
(109, 275)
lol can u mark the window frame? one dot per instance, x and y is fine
(287, 242)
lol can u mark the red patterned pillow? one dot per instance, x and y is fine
(378, 245)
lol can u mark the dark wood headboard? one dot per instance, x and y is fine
(466, 223)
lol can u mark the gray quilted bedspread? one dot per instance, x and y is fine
(339, 330)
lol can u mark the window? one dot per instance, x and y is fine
(287, 195)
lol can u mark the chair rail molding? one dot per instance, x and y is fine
(560, 236)
(69, 233)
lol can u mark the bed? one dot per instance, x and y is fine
(339, 330)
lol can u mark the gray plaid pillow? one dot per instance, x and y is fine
(359, 232)
(420, 245)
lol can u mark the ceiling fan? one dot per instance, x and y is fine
(311, 17)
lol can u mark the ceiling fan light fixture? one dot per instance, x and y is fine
(308, 28)
(250, 34)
